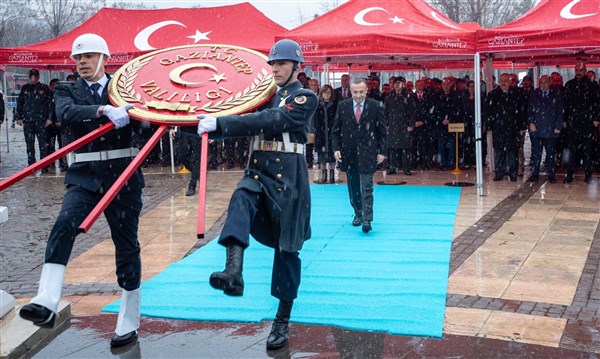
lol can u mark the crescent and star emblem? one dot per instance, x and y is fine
(566, 12)
(437, 18)
(359, 18)
(141, 39)
(175, 74)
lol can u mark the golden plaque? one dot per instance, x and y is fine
(174, 85)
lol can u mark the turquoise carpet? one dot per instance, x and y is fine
(393, 279)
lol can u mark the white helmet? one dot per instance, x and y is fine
(89, 43)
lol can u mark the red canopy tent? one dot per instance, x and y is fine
(555, 31)
(379, 32)
(131, 33)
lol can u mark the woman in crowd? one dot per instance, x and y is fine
(323, 121)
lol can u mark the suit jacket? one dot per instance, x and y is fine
(76, 110)
(361, 142)
(546, 113)
(504, 117)
(338, 94)
(284, 221)
(400, 114)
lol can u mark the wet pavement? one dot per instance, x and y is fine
(523, 281)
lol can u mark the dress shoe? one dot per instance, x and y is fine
(392, 172)
(45, 170)
(356, 221)
(230, 280)
(533, 178)
(121, 340)
(278, 337)
(230, 165)
(190, 191)
(513, 178)
(551, 179)
(39, 315)
(366, 227)
(64, 168)
(497, 178)
(568, 179)
(407, 173)
(588, 180)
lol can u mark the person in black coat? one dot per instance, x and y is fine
(83, 107)
(423, 134)
(34, 107)
(545, 120)
(323, 124)
(400, 116)
(272, 201)
(582, 115)
(505, 122)
(359, 143)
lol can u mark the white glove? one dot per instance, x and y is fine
(118, 115)
(207, 124)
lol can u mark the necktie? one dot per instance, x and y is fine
(95, 87)
(545, 92)
(345, 92)
(358, 113)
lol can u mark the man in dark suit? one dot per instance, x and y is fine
(272, 200)
(505, 122)
(424, 135)
(359, 143)
(343, 92)
(582, 116)
(83, 107)
(545, 120)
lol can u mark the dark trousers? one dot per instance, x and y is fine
(422, 150)
(243, 208)
(33, 130)
(188, 153)
(360, 189)
(54, 134)
(537, 145)
(512, 152)
(400, 153)
(122, 215)
(446, 150)
(242, 151)
(586, 145)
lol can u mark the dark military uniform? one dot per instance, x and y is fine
(87, 181)
(272, 200)
(33, 108)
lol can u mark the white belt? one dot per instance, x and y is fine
(277, 146)
(102, 155)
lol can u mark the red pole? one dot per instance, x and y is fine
(31, 169)
(116, 187)
(202, 189)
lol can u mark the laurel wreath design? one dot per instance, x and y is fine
(130, 73)
(125, 82)
(261, 82)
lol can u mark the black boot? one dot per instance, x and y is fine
(332, 176)
(279, 331)
(191, 190)
(323, 176)
(230, 280)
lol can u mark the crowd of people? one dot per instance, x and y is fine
(417, 118)
(562, 120)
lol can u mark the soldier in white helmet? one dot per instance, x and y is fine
(82, 107)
